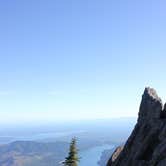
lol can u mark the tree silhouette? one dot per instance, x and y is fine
(72, 159)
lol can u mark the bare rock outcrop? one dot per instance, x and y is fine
(147, 144)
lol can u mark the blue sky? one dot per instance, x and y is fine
(90, 59)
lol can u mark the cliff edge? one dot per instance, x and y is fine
(147, 144)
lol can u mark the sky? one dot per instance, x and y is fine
(79, 59)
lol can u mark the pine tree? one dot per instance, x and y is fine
(72, 159)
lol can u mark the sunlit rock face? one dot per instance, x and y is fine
(147, 144)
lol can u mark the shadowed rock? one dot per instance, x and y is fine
(151, 104)
(116, 154)
(147, 144)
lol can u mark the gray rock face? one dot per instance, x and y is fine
(147, 144)
(151, 105)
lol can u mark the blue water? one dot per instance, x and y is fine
(40, 136)
(91, 156)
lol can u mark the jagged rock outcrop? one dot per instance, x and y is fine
(147, 144)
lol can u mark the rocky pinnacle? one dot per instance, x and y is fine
(146, 146)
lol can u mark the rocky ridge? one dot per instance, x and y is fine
(147, 144)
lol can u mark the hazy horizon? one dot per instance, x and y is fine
(51, 122)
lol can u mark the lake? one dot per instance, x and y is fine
(91, 156)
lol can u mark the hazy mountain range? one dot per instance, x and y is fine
(47, 146)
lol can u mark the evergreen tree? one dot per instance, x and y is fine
(72, 159)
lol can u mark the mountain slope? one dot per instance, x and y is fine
(28, 153)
